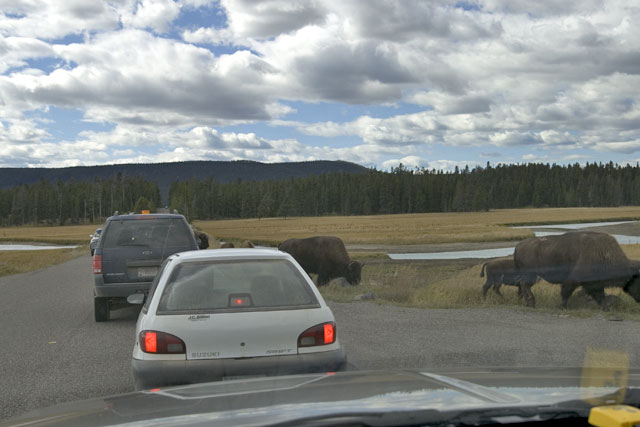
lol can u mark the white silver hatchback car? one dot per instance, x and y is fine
(228, 313)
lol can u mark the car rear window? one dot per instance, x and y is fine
(247, 285)
(154, 285)
(151, 232)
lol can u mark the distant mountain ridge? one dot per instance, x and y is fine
(165, 173)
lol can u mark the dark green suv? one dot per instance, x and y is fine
(129, 253)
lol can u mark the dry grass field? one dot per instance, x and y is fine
(410, 228)
(14, 262)
(70, 234)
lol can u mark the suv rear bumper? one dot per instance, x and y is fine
(123, 290)
(161, 373)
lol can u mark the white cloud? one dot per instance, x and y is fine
(626, 147)
(154, 14)
(559, 78)
(271, 18)
(52, 19)
(134, 76)
(409, 162)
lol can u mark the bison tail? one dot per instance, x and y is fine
(482, 270)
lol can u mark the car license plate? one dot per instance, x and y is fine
(147, 272)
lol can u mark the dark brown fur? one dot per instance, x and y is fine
(500, 272)
(202, 238)
(581, 258)
(325, 256)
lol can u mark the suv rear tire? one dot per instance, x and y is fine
(101, 309)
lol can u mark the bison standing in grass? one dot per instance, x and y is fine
(501, 271)
(582, 258)
(325, 256)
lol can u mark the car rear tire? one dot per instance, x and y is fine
(101, 309)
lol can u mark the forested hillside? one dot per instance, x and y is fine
(372, 192)
(75, 202)
(409, 191)
(163, 174)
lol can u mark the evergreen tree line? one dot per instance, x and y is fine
(75, 202)
(373, 192)
(411, 191)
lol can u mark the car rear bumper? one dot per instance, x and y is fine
(162, 373)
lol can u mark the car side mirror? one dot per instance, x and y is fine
(136, 298)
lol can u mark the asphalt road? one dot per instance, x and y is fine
(52, 351)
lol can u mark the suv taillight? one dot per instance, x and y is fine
(161, 343)
(97, 264)
(322, 334)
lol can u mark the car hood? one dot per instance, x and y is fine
(386, 397)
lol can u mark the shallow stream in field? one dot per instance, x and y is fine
(539, 231)
(33, 247)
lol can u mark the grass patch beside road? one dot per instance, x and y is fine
(14, 262)
(64, 235)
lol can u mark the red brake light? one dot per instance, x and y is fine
(239, 300)
(322, 334)
(328, 333)
(161, 343)
(97, 264)
(150, 342)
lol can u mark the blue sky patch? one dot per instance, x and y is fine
(65, 124)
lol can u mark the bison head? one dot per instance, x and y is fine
(353, 272)
(633, 287)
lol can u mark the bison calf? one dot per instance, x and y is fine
(325, 256)
(500, 272)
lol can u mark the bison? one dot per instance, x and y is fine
(324, 255)
(501, 271)
(247, 244)
(581, 258)
(202, 238)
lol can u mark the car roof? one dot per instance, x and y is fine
(230, 254)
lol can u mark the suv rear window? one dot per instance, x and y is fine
(147, 231)
(246, 285)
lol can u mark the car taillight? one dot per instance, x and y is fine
(160, 343)
(322, 334)
(97, 264)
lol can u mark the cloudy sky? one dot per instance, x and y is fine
(427, 83)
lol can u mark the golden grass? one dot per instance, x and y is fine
(409, 228)
(14, 262)
(378, 229)
(68, 234)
